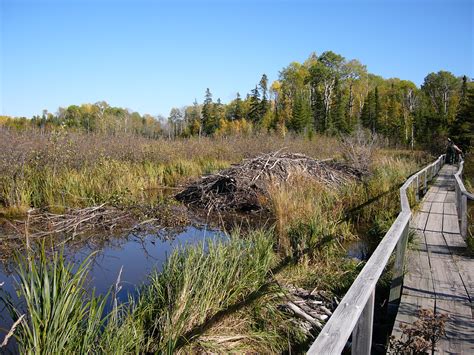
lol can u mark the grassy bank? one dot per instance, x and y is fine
(222, 296)
(194, 285)
(57, 170)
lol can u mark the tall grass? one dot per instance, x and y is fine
(60, 316)
(195, 284)
(61, 169)
(306, 212)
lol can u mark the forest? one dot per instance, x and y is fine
(325, 94)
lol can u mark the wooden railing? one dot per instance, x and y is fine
(461, 199)
(354, 315)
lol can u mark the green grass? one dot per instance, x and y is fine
(60, 316)
(195, 284)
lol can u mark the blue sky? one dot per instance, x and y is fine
(150, 56)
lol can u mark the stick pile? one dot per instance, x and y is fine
(73, 222)
(242, 186)
(310, 309)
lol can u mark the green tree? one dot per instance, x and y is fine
(254, 114)
(209, 119)
(462, 130)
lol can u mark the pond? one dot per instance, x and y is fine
(136, 255)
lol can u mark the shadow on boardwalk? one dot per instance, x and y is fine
(439, 273)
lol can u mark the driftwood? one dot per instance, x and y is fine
(242, 186)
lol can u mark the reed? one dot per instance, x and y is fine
(194, 284)
(61, 317)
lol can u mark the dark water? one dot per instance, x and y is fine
(358, 249)
(136, 255)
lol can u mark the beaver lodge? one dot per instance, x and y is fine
(242, 186)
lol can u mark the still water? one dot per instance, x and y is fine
(136, 255)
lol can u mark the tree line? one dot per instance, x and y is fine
(327, 94)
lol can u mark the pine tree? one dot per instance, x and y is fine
(254, 114)
(238, 111)
(209, 123)
(264, 90)
(462, 130)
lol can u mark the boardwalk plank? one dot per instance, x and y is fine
(408, 311)
(419, 221)
(446, 279)
(429, 197)
(459, 337)
(450, 208)
(450, 197)
(439, 274)
(425, 206)
(439, 197)
(417, 280)
(464, 263)
(436, 207)
(450, 224)
(434, 223)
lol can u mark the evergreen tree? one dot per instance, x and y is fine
(209, 119)
(254, 114)
(264, 90)
(238, 111)
(462, 130)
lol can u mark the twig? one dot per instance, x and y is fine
(12, 330)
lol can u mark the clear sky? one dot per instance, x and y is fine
(150, 56)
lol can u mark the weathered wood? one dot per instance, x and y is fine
(337, 330)
(450, 208)
(419, 220)
(458, 248)
(417, 280)
(408, 311)
(425, 206)
(398, 267)
(463, 210)
(362, 334)
(417, 188)
(342, 323)
(430, 196)
(450, 224)
(450, 197)
(439, 197)
(434, 223)
(446, 279)
(436, 207)
(459, 328)
(303, 315)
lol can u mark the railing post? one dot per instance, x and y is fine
(457, 190)
(417, 193)
(425, 187)
(398, 269)
(362, 333)
(463, 210)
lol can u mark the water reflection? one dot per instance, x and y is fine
(136, 254)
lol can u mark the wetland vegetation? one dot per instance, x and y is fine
(92, 174)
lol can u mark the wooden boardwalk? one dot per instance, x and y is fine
(439, 276)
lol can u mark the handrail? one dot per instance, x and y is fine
(354, 315)
(462, 195)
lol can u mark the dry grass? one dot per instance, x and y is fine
(61, 169)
